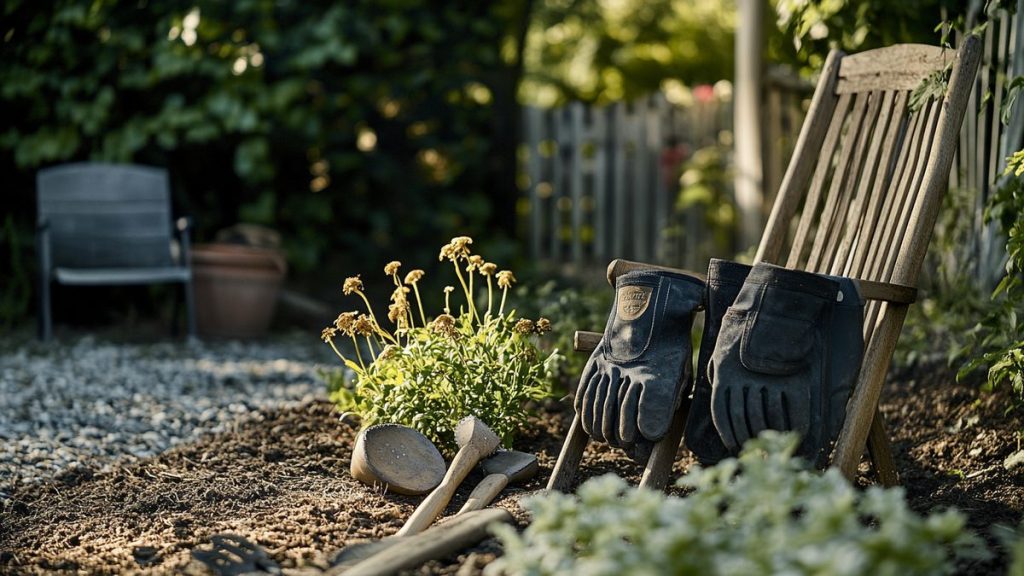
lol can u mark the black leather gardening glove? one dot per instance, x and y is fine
(770, 367)
(635, 378)
(725, 278)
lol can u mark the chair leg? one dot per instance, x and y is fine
(45, 311)
(190, 310)
(880, 450)
(570, 457)
(659, 466)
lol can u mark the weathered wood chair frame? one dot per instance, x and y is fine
(108, 224)
(860, 198)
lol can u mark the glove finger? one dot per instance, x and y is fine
(654, 412)
(720, 397)
(756, 401)
(628, 414)
(600, 393)
(738, 415)
(799, 412)
(586, 410)
(590, 371)
(776, 410)
(610, 418)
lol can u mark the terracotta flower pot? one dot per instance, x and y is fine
(236, 289)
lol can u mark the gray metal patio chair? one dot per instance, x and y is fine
(108, 224)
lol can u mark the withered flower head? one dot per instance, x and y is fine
(344, 322)
(506, 279)
(399, 293)
(458, 247)
(475, 261)
(328, 334)
(414, 276)
(363, 325)
(389, 351)
(392, 267)
(352, 284)
(445, 325)
(488, 268)
(449, 289)
(543, 325)
(524, 326)
(397, 312)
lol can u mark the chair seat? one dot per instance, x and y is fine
(105, 276)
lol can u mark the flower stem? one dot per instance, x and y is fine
(469, 297)
(489, 299)
(501, 309)
(419, 303)
(358, 355)
(373, 317)
(335, 348)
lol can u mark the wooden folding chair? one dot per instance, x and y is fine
(859, 199)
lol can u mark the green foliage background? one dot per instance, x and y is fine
(257, 107)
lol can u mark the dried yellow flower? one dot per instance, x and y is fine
(344, 322)
(398, 296)
(524, 326)
(397, 312)
(446, 252)
(445, 325)
(449, 289)
(328, 334)
(475, 262)
(488, 268)
(388, 352)
(458, 247)
(392, 267)
(414, 276)
(506, 279)
(363, 325)
(352, 284)
(543, 325)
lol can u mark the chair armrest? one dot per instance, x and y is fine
(43, 247)
(184, 227)
(583, 341)
(893, 293)
(619, 267)
(870, 290)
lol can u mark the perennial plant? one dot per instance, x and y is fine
(429, 373)
(763, 513)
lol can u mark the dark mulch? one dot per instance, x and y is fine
(282, 481)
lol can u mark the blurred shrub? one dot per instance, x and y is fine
(352, 127)
(569, 308)
(764, 513)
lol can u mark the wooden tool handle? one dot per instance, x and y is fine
(439, 541)
(485, 492)
(435, 502)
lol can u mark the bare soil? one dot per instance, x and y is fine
(282, 480)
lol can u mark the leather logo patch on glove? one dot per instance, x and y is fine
(633, 301)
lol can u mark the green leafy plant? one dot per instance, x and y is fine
(570, 308)
(763, 513)
(997, 340)
(429, 374)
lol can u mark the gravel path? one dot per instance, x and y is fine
(91, 402)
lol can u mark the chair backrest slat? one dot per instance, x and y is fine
(105, 215)
(875, 174)
(864, 242)
(818, 181)
(847, 187)
(853, 213)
